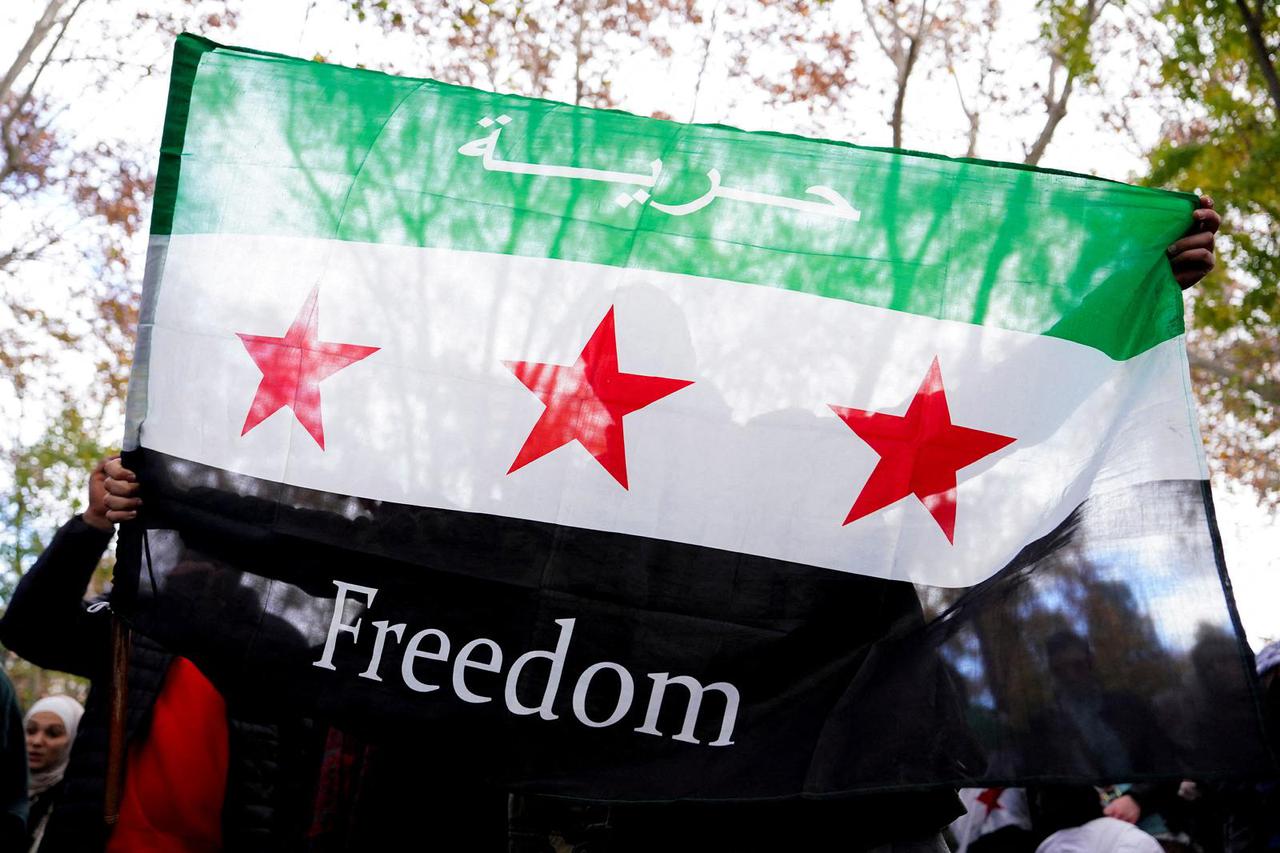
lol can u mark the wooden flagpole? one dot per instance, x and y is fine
(119, 699)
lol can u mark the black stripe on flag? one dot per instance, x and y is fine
(606, 666)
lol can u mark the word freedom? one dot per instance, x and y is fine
(486, 656)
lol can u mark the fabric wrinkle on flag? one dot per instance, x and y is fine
(643, 461)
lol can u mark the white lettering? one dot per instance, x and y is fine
(625, 692)
(471, 657)
(411, 654)
(379, 641)
(696, 691)
(557, 659)
(463, 660)
(336, 625)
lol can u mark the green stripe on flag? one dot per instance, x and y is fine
(277, 146)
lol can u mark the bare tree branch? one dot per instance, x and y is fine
(19, 254)
(915, 41)
(48, 57)
(903, 49)
(38, 34)
(1057, 111)
(973, 116)
(875, 31)
(706, 56)
(15, 109)
(1269, 393)
(1055, 99)
(958, 45)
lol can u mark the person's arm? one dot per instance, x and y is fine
(48, 621)
(1192, 255)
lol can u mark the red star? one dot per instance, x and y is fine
(586, 401)
(293, 367)
(920, 453)
(990, 798)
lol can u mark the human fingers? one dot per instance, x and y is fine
(1201, 240)
(122, 503)
(121, 488)
(121, 508)
(1190, 267)
(115, 470)
(1206, 219)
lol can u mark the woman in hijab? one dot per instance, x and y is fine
(51, 728)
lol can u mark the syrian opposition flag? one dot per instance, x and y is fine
(638, 460)
(989, 811)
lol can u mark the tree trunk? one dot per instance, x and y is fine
(1057, 112)
(1058, 105)
(898, 102)
(579, 7)
(904, 77)
(1253, 25)
(904, 60)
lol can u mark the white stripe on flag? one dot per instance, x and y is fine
(749, 458)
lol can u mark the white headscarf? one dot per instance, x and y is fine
(1269, 658)
(69, 711)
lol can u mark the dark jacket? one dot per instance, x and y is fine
(13, 769)
(50, 624)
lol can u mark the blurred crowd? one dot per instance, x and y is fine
(200, 774)
(1177, 816)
